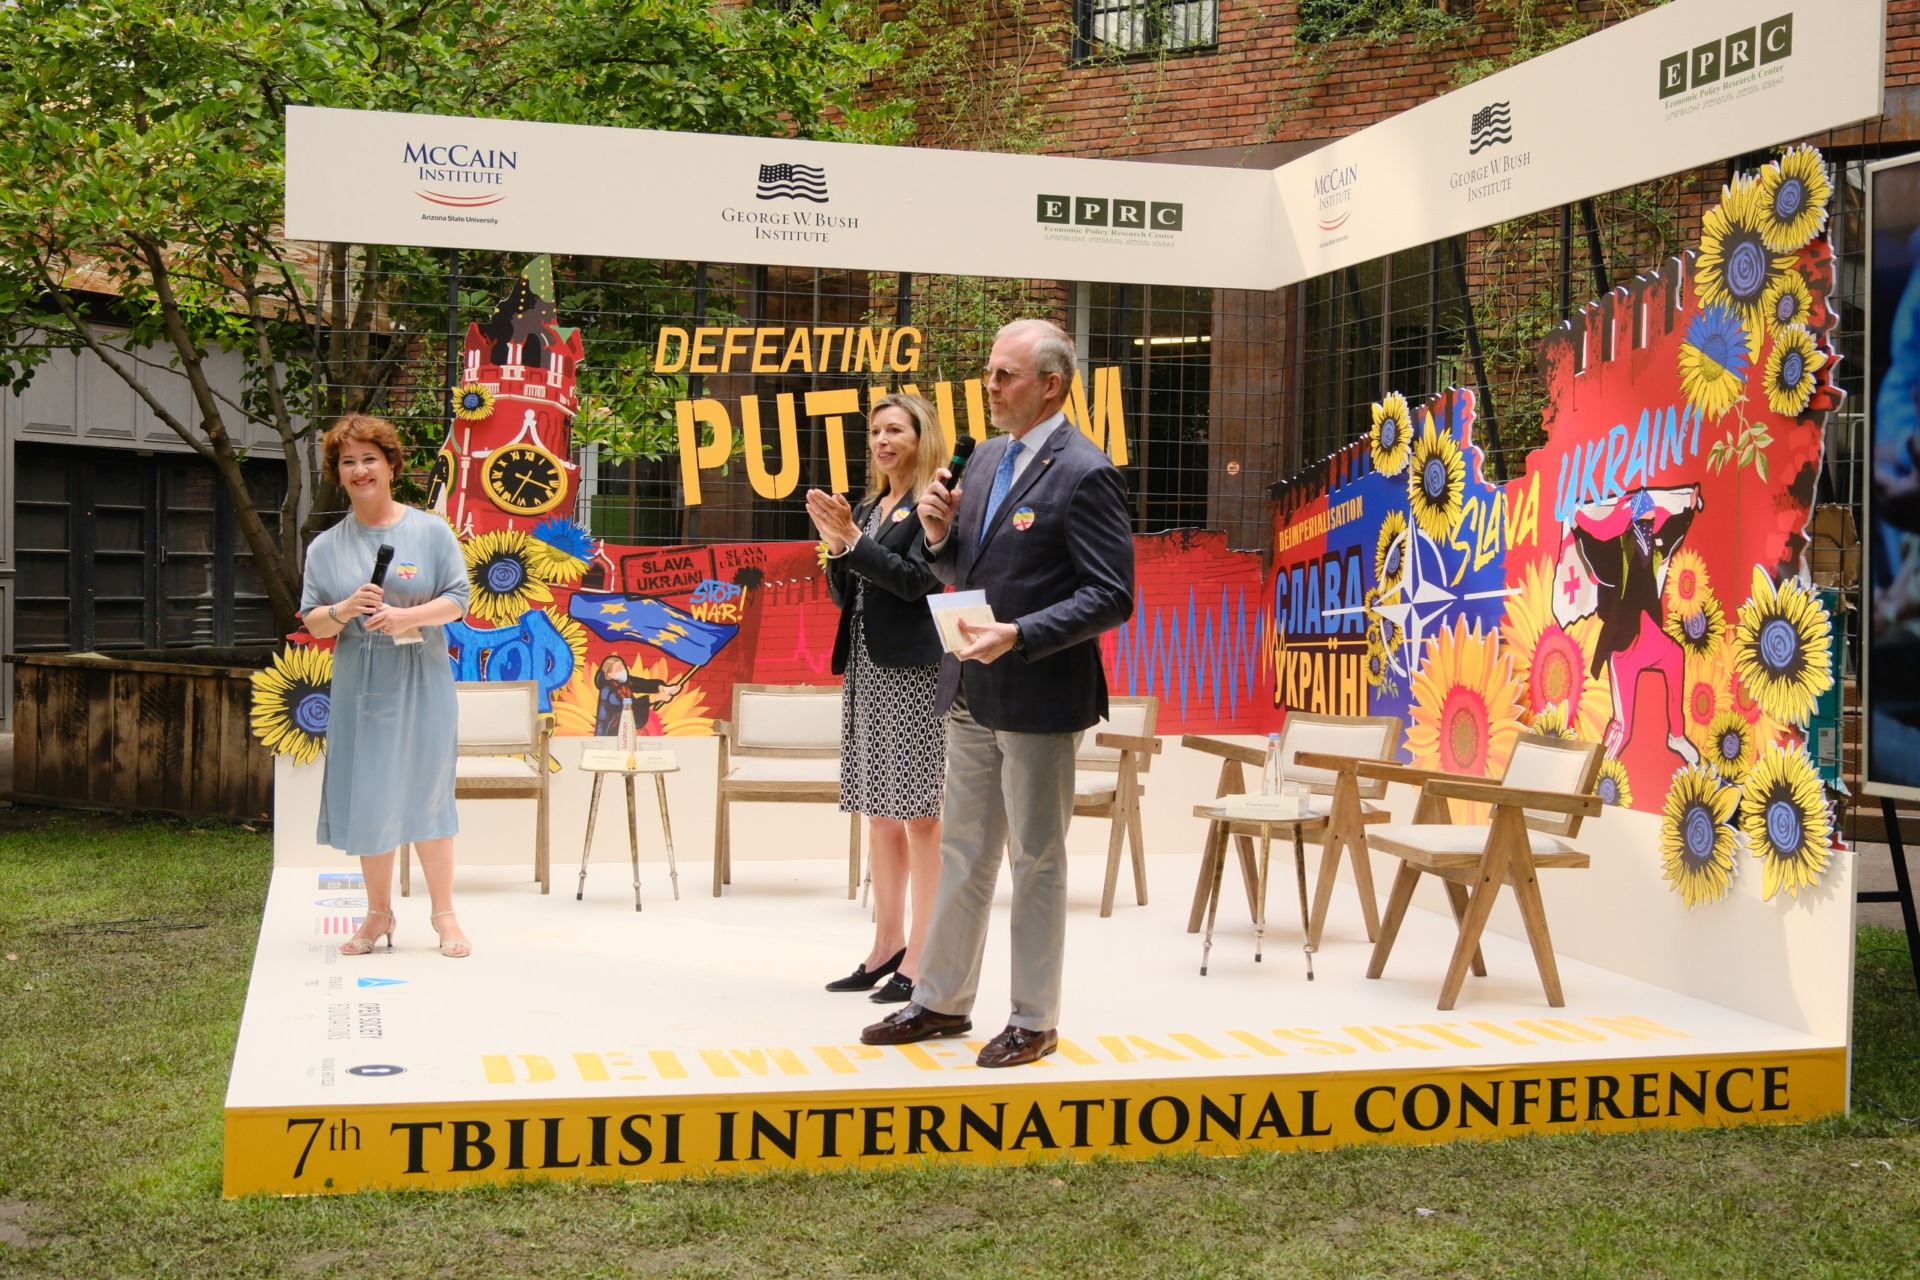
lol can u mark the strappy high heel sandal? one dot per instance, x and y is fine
(452, 948)
(361, 944)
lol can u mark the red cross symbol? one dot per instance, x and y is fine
(1572, 589)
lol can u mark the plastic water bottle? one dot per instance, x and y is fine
(628, 738)
(1270, 778)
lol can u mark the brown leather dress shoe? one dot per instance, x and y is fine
(911, 1023)
(1017, 1046)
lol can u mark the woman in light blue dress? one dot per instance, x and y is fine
(391, 741)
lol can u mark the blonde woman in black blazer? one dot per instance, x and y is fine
(893, 746)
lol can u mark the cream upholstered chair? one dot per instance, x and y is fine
(502, 737)
(1106, 784)
(782, 746)
(1537, 808)
(1325, 753)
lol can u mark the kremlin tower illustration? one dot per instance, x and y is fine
(505, 464)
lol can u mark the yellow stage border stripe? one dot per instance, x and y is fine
(443, 1145)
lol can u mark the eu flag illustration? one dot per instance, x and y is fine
(612, 615)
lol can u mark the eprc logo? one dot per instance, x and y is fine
(1105, 211)
(1730, 55)
(459, 176)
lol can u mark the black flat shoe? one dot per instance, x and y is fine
(862, 979)
(899, 990)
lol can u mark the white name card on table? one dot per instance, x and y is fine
(1262, 808)
(950, 607)
(601, 760)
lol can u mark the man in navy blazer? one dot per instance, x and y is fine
(1041, 524)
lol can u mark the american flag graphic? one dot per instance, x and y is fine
(341, 924)
(1491, 124)
(792, 182)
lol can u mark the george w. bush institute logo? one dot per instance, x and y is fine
(1492, 125)
(792, 182)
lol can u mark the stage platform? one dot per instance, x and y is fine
(583, 1040)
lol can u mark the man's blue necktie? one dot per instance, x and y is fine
(1002, 481)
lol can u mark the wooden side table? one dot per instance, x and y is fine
(1222, 828)
(600, 763)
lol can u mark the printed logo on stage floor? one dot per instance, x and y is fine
(382, 982)
(376, 1070)
(340, 904)
(341, 880)
(792, 182)
(354, 1020)
(1491, 126)
(337, 925)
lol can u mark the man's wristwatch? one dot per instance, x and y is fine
(1019, 641)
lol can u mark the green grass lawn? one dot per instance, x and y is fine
(126, 949)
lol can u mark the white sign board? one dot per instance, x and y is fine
(384, 178)
(1684, 85)
(1687, 84)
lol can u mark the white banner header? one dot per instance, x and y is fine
(1687, 84)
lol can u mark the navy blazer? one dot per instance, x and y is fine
(899, 628)
(1058, 560)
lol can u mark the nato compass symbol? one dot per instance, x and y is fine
(1424, 602)
(1492, 125)
(792, 182)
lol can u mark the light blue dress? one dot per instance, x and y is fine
(391, 740)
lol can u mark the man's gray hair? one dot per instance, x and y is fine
(1052, 351)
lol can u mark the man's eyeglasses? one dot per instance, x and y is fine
(1004, 375)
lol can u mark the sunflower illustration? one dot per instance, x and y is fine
(1465, 699)
(1791, 365)
(1436, 482)
(1783, 815)
(1730, 745)
(1612, 786)
(1550, 721)
(561, 550)
(1700, 629)
(576, 704)
(473, 402)
(1686, 582)
(1735, 267)
(1696, 840)
(291, 702)
(1780, 648)
(1703, 700)
(500, 567)
(572, 632)
(1792, 196)
(1391, 435)
(1789, 300)
(1390, 552)
(1714, 359)
(1554, 664)
(1379, 666)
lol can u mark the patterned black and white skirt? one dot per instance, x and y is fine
(893, 753)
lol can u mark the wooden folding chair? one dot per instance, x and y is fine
(782, 746)
(1537, 808)
(1106, 784)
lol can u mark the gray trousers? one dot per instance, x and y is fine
(1004, 791)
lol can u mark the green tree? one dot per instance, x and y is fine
(142, 149)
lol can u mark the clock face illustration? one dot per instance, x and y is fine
(524, 480)
(439, 477)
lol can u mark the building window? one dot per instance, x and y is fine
(1128, 27)
(119, 551)
(1334, 19)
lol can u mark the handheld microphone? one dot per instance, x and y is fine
(381, 559)
(957, 464)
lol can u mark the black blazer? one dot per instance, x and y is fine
(1065, 577)
(899, 628)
